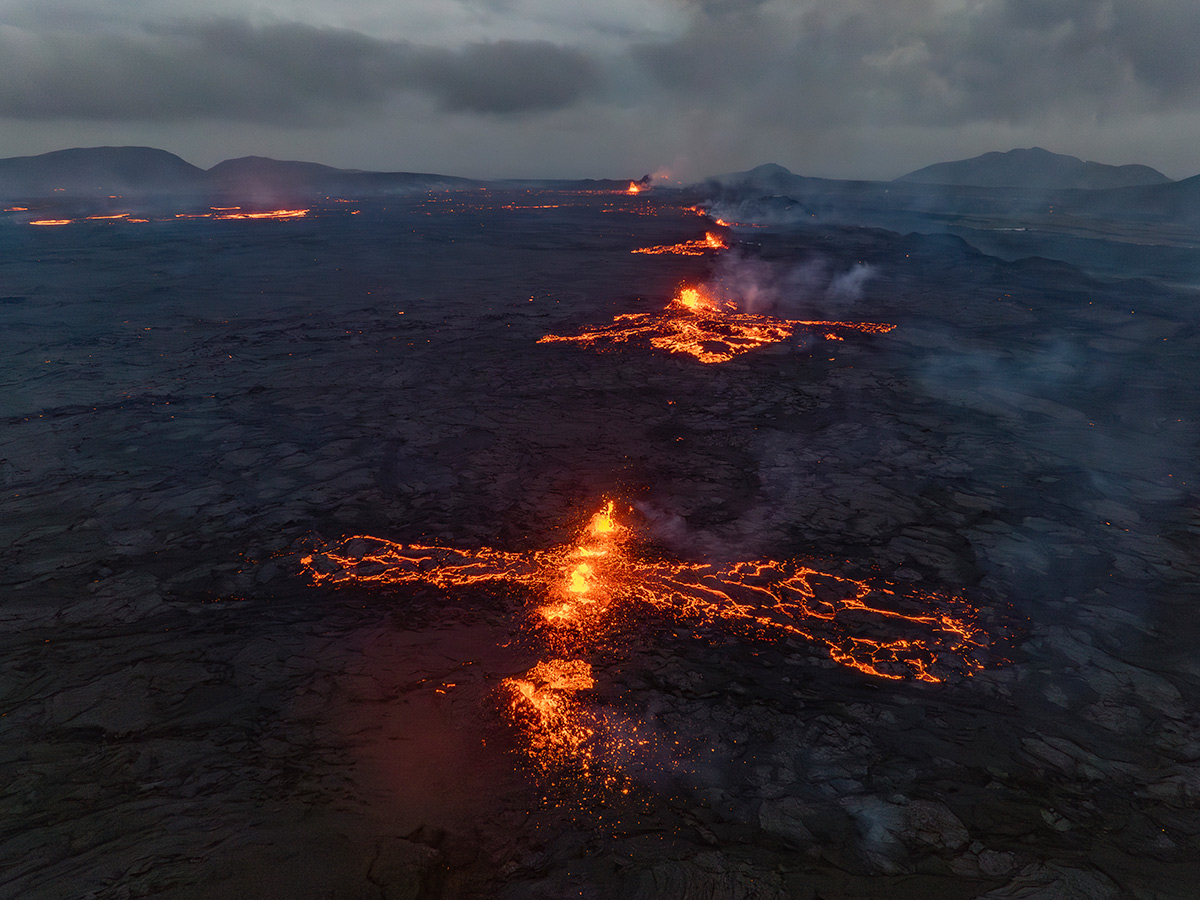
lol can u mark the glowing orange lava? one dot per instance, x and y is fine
(557, 728)
(268, 214)
(634, 188)
(587, 594)
(230, 212)
(595, 591)
(584, 590)
(696, 324)
(708, 244)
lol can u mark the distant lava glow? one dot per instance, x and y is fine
(269, 214)
(708, 244)
(634, 188)
(224, 213)
(593, 592)
(696, 324)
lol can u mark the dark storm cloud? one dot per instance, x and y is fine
(507, 76)
(285, 73)
(933, 62)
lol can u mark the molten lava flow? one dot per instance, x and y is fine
(708, 244)
(584, 591)
(634, 188)
(591, 593)
(269, 214)
(694, 323)
(51, 221)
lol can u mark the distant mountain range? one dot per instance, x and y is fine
(1151, 229)
(90, 174)
(139, 171)
(1034, 168)
(144, 170)
(772, 192)
(1019, 183)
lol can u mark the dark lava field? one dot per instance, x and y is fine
(191, 408)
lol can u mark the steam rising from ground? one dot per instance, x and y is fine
(789, 291)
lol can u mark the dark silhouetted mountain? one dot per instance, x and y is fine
(1036, 169)
(767, 179)
(274, 170)
(264, 179)
(144, 171)
(99, 170)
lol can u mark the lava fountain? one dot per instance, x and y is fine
(696, 324)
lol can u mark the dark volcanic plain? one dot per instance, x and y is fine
(190, 406)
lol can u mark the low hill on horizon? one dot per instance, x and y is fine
(269, 179)
(91, 170)
(1034, 168)
(134, 171)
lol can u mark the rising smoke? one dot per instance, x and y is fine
(809, 289)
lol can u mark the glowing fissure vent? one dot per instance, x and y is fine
(710, 243)
(585, 592)
(695, 324)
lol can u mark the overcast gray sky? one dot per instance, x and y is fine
(839, 88)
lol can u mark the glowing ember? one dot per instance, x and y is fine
(556, 725)
(694, 323)
(708, 244)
